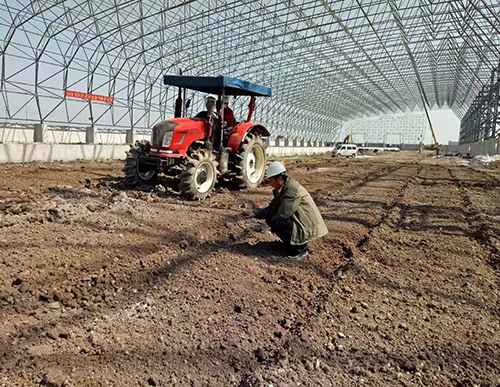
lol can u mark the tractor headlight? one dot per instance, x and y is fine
(167, 139)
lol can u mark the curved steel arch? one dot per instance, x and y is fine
(327, 62)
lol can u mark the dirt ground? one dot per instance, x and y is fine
(103, 286)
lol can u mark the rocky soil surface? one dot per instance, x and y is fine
(105, 286)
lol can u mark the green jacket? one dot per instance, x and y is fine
(295, 203)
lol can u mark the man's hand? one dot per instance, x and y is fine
(248, 213)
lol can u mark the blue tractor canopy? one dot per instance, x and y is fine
(217, 85)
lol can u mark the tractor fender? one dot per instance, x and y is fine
(240, 132)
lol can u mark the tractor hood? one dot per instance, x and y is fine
(160, 129)
(178, 133)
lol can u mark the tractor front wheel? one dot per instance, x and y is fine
(250, 162)
(136, 171)
(200, 175)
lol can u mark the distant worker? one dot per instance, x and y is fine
(210, 106)
(228, 113)
(292, 214)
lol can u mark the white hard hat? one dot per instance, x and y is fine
(275, 168)
(210, 102)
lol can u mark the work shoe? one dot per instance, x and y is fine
(299, 254)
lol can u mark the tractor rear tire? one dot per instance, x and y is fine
(135, 172)
(199, 176)
(250, 163)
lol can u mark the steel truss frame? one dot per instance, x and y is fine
(482, 120)
(408, 128)
(327, 62)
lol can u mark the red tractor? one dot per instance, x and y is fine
(197, 151)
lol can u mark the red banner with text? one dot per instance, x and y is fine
(90, 97)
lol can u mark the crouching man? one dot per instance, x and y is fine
(292, 214)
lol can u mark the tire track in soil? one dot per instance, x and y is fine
(396, 202)
(355, 185)
(317, 306)
(487, 175)
(422, 180)
(477, 222)
(372, 177)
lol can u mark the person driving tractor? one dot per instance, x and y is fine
(210, 102)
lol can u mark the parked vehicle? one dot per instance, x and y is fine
(346, 150)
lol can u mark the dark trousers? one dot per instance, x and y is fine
(283, 229)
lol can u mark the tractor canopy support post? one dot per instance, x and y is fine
(251, 108)
(178, 104)
(184, 107)
(221, 131)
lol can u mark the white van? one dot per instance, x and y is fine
(347, 150)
